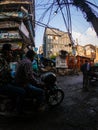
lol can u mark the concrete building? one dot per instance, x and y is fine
(96, 59)
(40, 49)
(17, 22)
(90, 51)
(80, 50)
(54, 41)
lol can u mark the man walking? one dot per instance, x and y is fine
(85, 68)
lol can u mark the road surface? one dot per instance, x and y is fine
(78, 111)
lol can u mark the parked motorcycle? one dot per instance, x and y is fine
(54, 95)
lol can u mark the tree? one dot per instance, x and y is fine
(89, 14)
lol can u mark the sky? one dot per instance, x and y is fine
(81, 29)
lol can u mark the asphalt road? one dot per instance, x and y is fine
(78, 111)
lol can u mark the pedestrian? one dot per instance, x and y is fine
(25, 78)
(85, 68)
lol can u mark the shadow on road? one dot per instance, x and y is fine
(78, 111)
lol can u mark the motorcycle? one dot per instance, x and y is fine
(53, 94)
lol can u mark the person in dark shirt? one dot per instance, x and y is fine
(85, 68)
(6, 87)
(25, 78)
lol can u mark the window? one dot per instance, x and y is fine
(50, 37)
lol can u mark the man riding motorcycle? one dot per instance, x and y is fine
(25, 78)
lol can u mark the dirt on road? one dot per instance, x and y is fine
(78, 111)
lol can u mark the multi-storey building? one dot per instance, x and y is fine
(17, 22)
(40, 49)
(96, 59)
(54, 41)
(90, 51)
(80, 50)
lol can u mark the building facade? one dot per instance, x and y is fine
(90, 51)
(15, 27)
(54, 41)
(96, 59)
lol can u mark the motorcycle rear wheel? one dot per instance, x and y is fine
(55, 97)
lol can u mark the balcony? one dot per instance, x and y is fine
(14, 5)
(15, 1)
(8, 24)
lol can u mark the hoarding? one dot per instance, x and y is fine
(61, 62)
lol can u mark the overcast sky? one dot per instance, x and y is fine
(81, 29)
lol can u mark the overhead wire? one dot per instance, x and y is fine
(68, 16)
(50, 8)
(61, 6)
(62, 15)
(44, 14)
(50, 14)
(68, 25)
(69, 21)
(92, 4)
(45, 25)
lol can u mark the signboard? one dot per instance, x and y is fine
(35, 49)
(61, 62)
(9, 35)
(24, 30)
(11, 14)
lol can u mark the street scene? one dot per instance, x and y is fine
(78, 111)
(48, 64)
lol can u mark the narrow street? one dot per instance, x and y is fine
(51, 35)
(78, 111)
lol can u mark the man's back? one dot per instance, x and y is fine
(85, 67)
(23, 71)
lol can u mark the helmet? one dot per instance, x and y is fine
(48, 78)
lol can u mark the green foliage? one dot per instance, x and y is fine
(53, 57)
